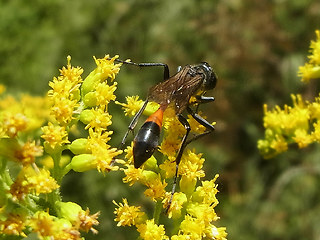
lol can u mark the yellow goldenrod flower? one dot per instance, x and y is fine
(308, 72)
(311, 70)
(28, 152)
(132, 106)
(132, 175)
(279, 144)
(77, 217)
(106, 69)
(193, 227)
(32, 181)
(202, 211)
(50, 227)
(190, 169)
(104, 93)
(151, 231)
(99, 119)
(13, 123)
(104, 158)
(302, 138)
(128, 215)
(207, 192)
(178, 201)
(217, 233)
(168, 167)
(316, 133)
(63, 110)
(65, 93)
(54, 136)
(14, 224)
(156, 188)
(315, 50)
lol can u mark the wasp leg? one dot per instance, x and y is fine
(165, 66)
(204, 99)
(203, 122)
(133, 123)
(183, 145)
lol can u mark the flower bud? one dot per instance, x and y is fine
(83, 162)
(68, 210)
(90, 82)
(90, 99)
(86, 116)
(79, 146)
(151, 163)
(148, 176)
(187, 185)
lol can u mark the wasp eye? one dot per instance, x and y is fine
(210, 80)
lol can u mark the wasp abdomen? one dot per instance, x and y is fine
(145, 142)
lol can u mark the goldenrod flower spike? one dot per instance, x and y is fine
(297, 123)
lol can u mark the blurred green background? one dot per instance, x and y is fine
(255, 48)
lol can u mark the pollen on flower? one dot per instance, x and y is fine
(156, 188)
(32, 181)
(28, 152)
(132, 106)
(87, 221)
(14, 224)
(207, 192)
(178, 201)
(54, 135)
(302, 138)
(99, 119)
(132, 175)
(104, 93)
(48, 226)
(12, 124)
(151, 231)
(279, 144)
(193, 227)
(202, 211)
(106, 67)
(104, 158)
(128, 215)
(64, 95)
(191, 165)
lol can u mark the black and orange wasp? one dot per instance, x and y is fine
(175, 91)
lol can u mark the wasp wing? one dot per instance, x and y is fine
(177, 89)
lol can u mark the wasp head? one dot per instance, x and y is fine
(210, 77)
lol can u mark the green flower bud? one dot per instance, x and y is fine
(148, 176)
(90, 82)
(79, 146)
(86, 116)
(151, 164)
(187, 185)
(83, 162)
(76, 94)
(90, 99)
(68, 210)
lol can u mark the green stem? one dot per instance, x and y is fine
(157, 211)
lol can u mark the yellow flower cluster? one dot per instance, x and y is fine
(311, 69)
(192, 208)
(299, 123)
(26, 198)
(30, 200)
